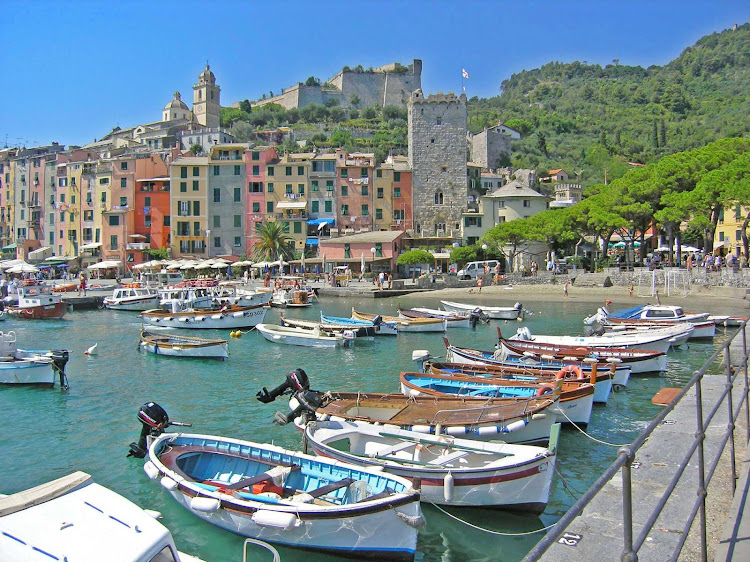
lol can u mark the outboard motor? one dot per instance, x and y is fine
(378, 320)
(155, 420)
(594, 329)
(474, 317)
(303, 401)
(296, 381)
(59, 360)
(518, 306)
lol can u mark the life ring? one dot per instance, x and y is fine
(564, 372)
(544, 389)
(94, 287)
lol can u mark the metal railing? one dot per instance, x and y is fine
(626, 455)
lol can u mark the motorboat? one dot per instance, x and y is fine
(24, 366)
(575, 404)
(602, 380)
(470, 356)
(640, 360)
(381, 327)
(36, 302)
(286, 497)
(507, 419)
(133, 298)
(173, 345)
(405, 324)
(452, 320)
(301, 336)
(361, 333)
(179, 298)
(494, 312)
(291, 298)
(651, 315)
(215, 318)
(656, 339)
(447, 470)
(74, 518)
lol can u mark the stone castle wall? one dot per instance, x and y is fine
(372, 88)
(488, 147)
(437, 155)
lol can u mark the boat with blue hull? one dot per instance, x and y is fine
(381, 327)
(289, 498)
(575, 403)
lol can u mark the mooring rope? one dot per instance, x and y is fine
(586, 434)
(489, 530)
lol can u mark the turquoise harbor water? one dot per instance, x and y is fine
(48, 433)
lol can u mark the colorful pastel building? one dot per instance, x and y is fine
(189, 205)
(379, 250)
(226, 200)
(354, 190)
(257, 160)
(151, 228)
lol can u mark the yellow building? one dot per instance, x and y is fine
(189, 205)
(287, 188)
(7, 172)
(728, 235)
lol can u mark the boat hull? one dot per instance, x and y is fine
(297, 336)
(25, 372)
(140, 304)
(380, 528)
(519, 486)
(494, 312)
(219, 350)
(41, 312)
(206, 319)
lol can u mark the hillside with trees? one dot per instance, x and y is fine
(578, 116)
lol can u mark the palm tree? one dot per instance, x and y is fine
(273, 242)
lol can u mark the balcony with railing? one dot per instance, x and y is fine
(138, 246)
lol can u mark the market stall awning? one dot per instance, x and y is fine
(291, 205)
(39, 252)
(311, 242)
(322, 221)
(10, 247)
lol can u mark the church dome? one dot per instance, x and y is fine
(207, 77)
(176, 103)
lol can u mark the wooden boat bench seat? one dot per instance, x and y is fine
(332, 487)
(445, 459)
(257, 479)
(392, 449)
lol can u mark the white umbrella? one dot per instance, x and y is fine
(363, 262)
(23, 268)
(261, 264)
(218, 265)
(303, 262)
(189, 265)
(204, 265)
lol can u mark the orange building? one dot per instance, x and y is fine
(151, 228)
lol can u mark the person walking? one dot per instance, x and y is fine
(480, 282)
(565, 289)
(496, 280)
(82, 284)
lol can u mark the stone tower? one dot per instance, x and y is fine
(437, 155)
(206, 108)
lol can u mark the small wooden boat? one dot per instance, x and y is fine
(381, 328)
(361, 333)
(219, 318)
(508, 419)
(66, 288)
(37, 303)
(405, 324)
(455, 354)
(657, 339)
(24, 366)
(602, 380)
(452, 320)
(446, 470)
(73, 518)
(494, 312)
(183, 346)
(575, 404)
(285, 497)
(639, 360)
(133, 298)
(301, 336)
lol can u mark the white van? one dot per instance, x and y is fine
(474, 269)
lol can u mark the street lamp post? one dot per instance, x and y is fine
(372, 250)
(208, 242)
(484, 252)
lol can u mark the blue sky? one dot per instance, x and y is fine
(73, 70)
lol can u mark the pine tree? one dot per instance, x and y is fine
(656, 135)
(662, 133)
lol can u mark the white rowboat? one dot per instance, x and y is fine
(183, 346)
(494, 312)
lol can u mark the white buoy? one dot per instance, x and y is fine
(92, 350)
(448, 487)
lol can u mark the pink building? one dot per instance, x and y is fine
(380, 250)
(256, 211)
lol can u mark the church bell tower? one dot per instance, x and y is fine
(206, 107)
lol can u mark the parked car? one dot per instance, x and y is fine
(474, 269)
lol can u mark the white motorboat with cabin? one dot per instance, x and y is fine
(653, 315)
(133, 298)
(24, 366)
